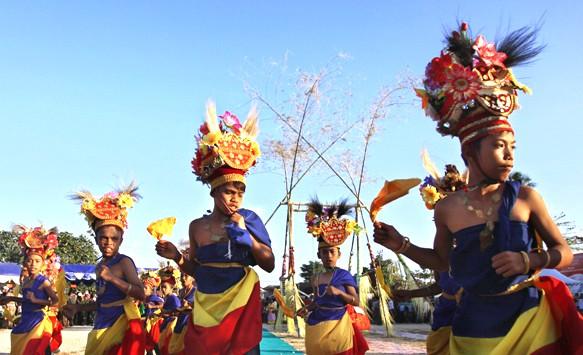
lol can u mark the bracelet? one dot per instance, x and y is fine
(540, 250)
(405, 245)
(526, 260)
(548, 258)
(129, 289)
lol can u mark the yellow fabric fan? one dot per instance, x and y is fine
(162, 227)
(391, 191)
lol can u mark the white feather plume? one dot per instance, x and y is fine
(251, 125)
(211, 117)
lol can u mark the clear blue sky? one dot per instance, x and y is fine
(94, 93)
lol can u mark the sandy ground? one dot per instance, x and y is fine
(408, 339)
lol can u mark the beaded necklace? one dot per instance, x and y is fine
(327, 286)
(486, 234)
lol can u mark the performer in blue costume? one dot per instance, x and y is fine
(486, 233)
(329, 328)
(169, 277)
(32, 335)
(118, 328)
(186, 296)
(226, 316)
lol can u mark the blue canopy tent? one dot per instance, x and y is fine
(73, 272)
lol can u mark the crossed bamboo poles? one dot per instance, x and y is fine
(354, 190)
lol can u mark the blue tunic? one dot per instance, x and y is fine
(334, 306)
(32, 313)
(481, 313)
(217, 279)
(445, 308)
(107, 293)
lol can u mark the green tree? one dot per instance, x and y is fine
(76, 250)
(9, 248)
(310, 269)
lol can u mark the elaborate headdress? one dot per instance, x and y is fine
(150, 278)
(436, 187)
(226, 149)
(37, 240)
(330, 224)
(110, 209)
(171, 275)
(470, 89)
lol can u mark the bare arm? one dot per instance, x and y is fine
(169, 251)
(436, 259)
(133, 287)
(509, 263)
(263, 255)
(559, 251)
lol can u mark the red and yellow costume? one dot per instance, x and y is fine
(118, 327)
(226, 317)
(36, 332)
(329, 328)
(470, 91)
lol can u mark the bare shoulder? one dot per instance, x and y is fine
(529, 194)
(446, 205)
(196, 223)
(128, 264)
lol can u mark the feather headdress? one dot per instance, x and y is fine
(331, 224)
(470, 89)
(226, 148)
(110, 209)
(36, 240)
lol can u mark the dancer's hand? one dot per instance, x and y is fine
(387, 236)
(302, 312)
(401, 295)
(104, 273)
(333, 291)
(31, 297)
(239, 220)
(508, 263)
(167, 250)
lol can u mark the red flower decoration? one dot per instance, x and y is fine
(52, 242)
(462, 84)
(487, 53)
(436, 71)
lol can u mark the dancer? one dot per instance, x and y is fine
(329, 329)
(170, 280)
(186, 296)
(226, 317)
(153, 304)
(470, 91)
(33, 334)
(118, 328)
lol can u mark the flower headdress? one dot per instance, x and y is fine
(110, 209)
(330, 224)
(150, 278)
(171, 275)
(37, 240)
(436, 187)
(470, 89)
(226, 149)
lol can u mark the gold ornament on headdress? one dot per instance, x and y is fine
(226, 149)
(110, 209)
(330, 224)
